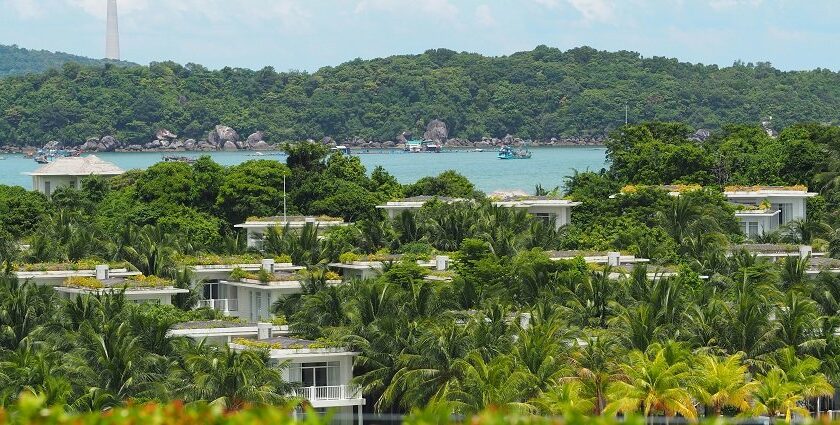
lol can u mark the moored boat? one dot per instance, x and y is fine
(507, 152)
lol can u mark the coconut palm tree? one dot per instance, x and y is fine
(723, 382)
(233, 378)
(565, 398)
(112, 360)
(776, 395)
(595, 369)
(652, 386)
(482, 384)
(427, 369)
(152, 250)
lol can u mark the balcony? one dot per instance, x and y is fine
(332, 392)
(224, 305)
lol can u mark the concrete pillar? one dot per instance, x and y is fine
(264, 330)
(805, 251)
(268, 265)
(441, 262)
(103, 271)
(613, 258)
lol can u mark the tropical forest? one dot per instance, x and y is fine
(539, 94)
(706, 328)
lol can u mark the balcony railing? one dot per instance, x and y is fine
(221, 304)
(332, 392)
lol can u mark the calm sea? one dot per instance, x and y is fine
(548, 166)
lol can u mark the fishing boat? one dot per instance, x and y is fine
(42, 159)
(174, 158)
(507, 152)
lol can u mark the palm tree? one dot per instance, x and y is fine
(482, 384)
(805, 230)
(652, 385)
(776, 395)
(427, 370)
(233, 378)
(565, 398)
(723, 382)
(804, 371)
(152, 250)
(112, 360)
(595, 370)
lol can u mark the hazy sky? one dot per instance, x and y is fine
(307, 34)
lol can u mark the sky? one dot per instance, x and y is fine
(308, 34)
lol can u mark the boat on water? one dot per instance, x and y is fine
(175, 158)
(507, 152)
(44, 156)
(341, 149)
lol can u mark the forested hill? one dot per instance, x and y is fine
(15, 60)
(537, 94)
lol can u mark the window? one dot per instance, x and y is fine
(785, 212)
(211, 291)
(47, 188)
(547, 218)
(315, 374)
(752, 229)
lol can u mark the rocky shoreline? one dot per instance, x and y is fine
(224, 138)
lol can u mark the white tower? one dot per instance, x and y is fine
(112, 34)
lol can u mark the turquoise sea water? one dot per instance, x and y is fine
(548, 166)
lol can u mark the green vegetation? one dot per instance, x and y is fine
(96, 352)
(19, 61)
(539, 94)
(726, 333)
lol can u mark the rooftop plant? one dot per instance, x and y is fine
(86, 264)
(83, 282)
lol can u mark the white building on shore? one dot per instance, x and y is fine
(70, 172)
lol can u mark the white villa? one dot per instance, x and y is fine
(365, 269)
(248, 298)
(323, 373)
(57, 277)
(552, 210)
(136, 289)
(612, 258)
(766, 208)
(395, 208)
(256, 227)
(70, 172)
(220, 332)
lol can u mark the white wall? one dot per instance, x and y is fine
(39, 182)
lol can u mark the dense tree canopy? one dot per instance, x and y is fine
(18, 61)
(540, 94)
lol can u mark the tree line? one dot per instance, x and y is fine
(536, 94)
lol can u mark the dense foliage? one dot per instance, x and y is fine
(18, 61)
(538, 94)
(714, 331)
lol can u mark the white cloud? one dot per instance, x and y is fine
(484, 16)
(286, 13)
(729, 4)
(24, 8)
(594, 10)
(551, 4)
(98, 8)
(439, 8)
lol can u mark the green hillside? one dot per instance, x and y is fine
(15, 60)
(540, 94)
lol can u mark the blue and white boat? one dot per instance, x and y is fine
(507, 152)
